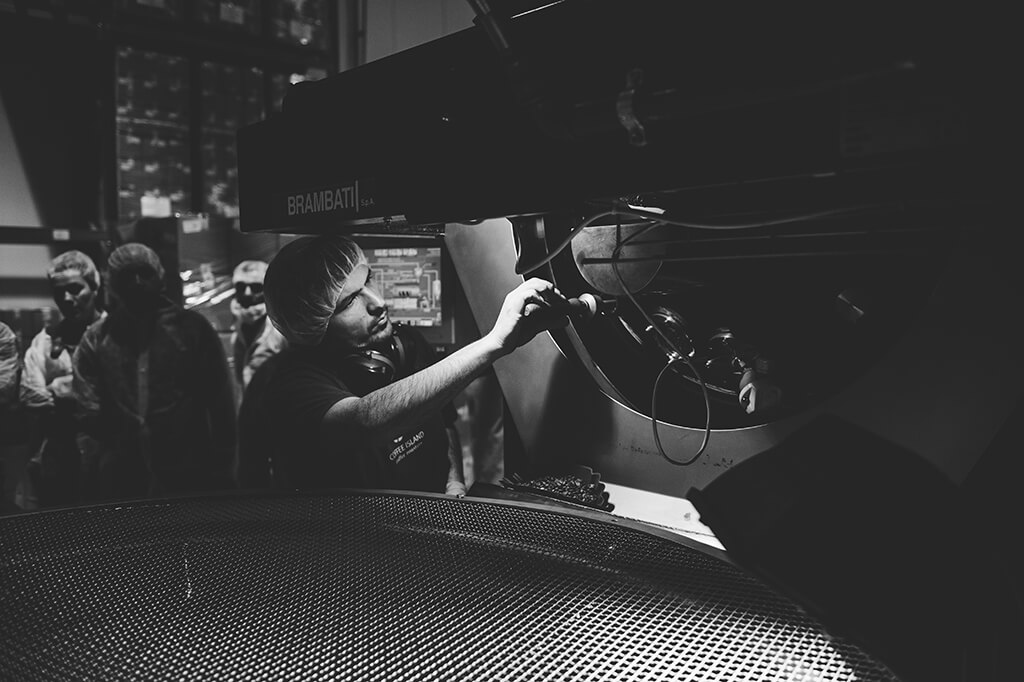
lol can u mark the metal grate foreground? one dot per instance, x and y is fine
(358, 586)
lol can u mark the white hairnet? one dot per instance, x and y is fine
(78, 261)
(249, 271)
(132, 255)
(303, 283)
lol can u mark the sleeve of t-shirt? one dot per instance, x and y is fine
(304, 394)
(449, 415)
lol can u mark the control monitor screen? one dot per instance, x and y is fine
(409, 279)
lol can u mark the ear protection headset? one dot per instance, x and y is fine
(373, 369)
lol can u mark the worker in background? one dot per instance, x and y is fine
(10, 369)
(357, 401)
(152, 382)
(58, 444)
(254, 339)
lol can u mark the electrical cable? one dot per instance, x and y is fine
(629, 294)
(680, 356)
(520, 269)
(658, 215)
(656, 218)
(654, 414)
(639, 213)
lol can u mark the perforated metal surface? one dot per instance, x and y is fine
(377, 586)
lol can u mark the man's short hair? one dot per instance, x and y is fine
(303, 283)
(249, 272)
(77, 261)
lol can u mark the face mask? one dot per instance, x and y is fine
(66, 335)
(140, 299)
(250, 315)
(138, 290)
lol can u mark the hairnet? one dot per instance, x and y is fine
(78, 261)
(249, 271)
(133, 254)
(303, 283)
(136, 254)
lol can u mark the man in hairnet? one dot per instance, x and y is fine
(152, 383)
(10, 375)
(355, 401)
(10, 367)
(254, 339)
(46, 383)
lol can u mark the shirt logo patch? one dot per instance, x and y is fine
(408, 446)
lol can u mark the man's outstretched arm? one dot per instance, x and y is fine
(409, 401)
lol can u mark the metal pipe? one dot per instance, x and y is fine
(681, 259)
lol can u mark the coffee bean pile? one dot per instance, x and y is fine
(567, 487)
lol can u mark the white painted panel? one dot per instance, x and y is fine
(17, 208)
(458, 15)
(417, 22)
(380, 29)
(396, 25)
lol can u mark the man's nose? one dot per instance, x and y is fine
(374, 301)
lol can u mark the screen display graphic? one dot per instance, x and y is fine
(409, 279)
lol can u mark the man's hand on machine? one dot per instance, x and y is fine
(532, 307)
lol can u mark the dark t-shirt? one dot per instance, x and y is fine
(281, 416)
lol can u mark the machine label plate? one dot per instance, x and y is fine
(348, 199)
